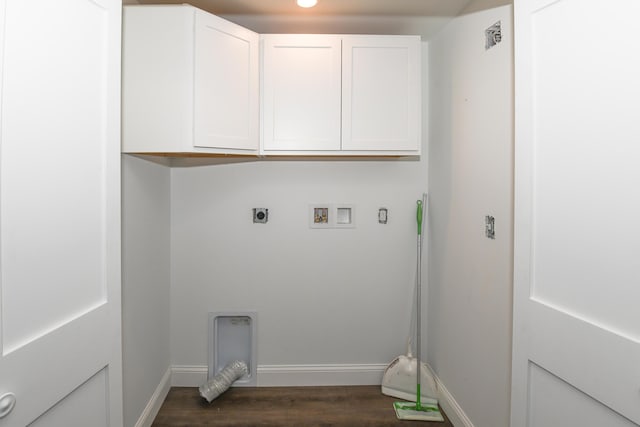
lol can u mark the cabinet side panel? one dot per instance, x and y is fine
(157, 79)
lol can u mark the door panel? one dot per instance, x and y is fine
(51, 208)
(556, 403)
(59, 206)
(589, 356)
(89, 398)
(584, 222)
(577, 238)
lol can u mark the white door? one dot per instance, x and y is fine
(60, 338)
(301, 92)
(576, 353)
(381, 96)
(226, 95)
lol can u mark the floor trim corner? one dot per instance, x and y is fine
(153, 406)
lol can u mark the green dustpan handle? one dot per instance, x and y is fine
(419, 216)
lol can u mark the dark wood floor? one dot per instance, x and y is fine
(351, 406)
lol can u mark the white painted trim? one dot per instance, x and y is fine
(188, 375)
(449, 405)
(318, 375)
(151, 410)
(291, 375)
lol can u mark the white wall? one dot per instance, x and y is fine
(470, 176)
(322, 296)
(145, 281)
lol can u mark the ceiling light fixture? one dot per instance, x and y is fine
(306, 3)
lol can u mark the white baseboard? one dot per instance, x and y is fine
(453, 410)
(318, 375)
(151, 410)
(291, 375)
(188, 375)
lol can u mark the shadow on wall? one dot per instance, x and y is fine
(480, 5)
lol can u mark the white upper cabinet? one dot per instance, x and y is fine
(381, 95)
(341, 95)
(301, 92)
(190, 82)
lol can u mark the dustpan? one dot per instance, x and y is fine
(399, 380)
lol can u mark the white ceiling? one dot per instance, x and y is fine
(433, 8)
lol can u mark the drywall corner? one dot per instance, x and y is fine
(471, 176)
(145, 285)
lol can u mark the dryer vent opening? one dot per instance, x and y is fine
(232, 338)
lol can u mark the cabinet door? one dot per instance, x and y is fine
(301, 95)
(381, 94)
(226, 84)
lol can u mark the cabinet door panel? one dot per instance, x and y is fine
(381, 93)
(301, 97)
(226, 84)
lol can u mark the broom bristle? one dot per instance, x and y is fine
(417, 412)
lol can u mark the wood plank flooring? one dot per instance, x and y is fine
(350, 406)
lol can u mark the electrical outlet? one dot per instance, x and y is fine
(490, 227)
(383, 215)
(260, 215)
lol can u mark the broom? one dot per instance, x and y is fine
(418, 411)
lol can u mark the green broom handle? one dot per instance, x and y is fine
(419, 216)
(418, 321)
